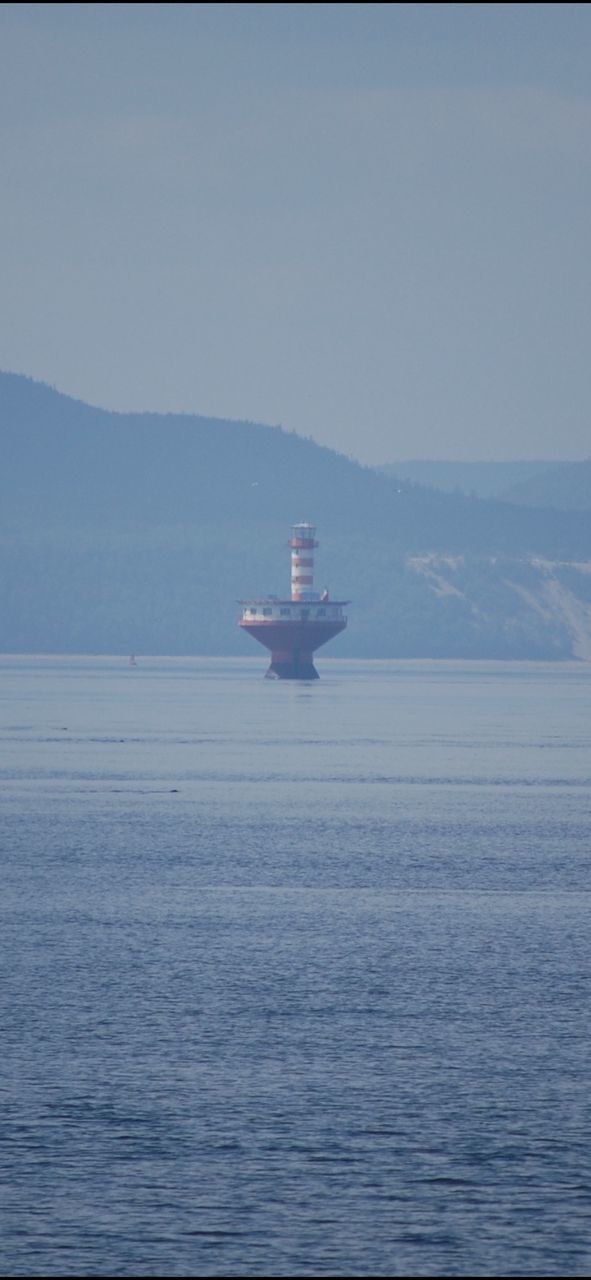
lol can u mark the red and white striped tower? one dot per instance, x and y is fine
(302, 543)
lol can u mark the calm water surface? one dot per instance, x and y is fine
(296, 978)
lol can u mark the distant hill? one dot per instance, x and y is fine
(139, 532)
(566, 486)
(482, 479)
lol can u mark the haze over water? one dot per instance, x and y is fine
(296, 977)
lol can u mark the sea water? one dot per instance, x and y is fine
(296, 977)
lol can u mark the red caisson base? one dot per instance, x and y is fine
(292, 645)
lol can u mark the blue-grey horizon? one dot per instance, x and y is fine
(366, 223)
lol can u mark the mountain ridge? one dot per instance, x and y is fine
(140, 531)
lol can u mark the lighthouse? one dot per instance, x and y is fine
(294, 628)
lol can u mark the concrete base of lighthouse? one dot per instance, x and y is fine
(292, 666)
(292, 640)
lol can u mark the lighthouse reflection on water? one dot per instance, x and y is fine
(295, 627)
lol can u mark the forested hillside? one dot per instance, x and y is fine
(566, 486)
(481, 479)
(139, 532)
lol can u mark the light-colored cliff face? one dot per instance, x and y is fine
(567, 604)
(550, 593)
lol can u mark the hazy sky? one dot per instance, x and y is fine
(369, 223)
